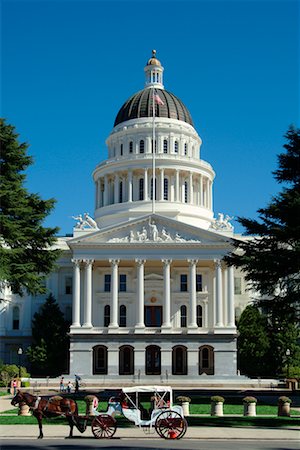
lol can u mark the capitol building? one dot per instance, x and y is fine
(143, 282)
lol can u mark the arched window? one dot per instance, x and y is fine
(153, 360)
(165, 146)
(100, 360)
(126, 360)
(166, 189)
(121, 150)
(121, 192)
(183, 316)
(185, 192)
(142, 146)
(16, 318)
(179, 360)
(152, 146)
(130, 147)
(176, 147)
(122, 318)
(206, 360)
(106, 315)
(185, 149)
(141, 189)
(199, 315)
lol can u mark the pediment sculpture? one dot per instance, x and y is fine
(85, 222)
(222, 223)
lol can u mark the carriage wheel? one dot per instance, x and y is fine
(170, 425)
(104, 426)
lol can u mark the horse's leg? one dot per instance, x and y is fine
(71, 425)
(39, 419)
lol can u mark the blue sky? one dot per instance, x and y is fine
(68, 66)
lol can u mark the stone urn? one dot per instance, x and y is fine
(284, 406)
(91, 404)
(185, 403)
(23, 409)
(216, 406)
(249, 406)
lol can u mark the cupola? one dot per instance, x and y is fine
(154, 72)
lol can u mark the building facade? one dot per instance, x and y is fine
(144, 282)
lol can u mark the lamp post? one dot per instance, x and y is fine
(20, 353)
(287, 353)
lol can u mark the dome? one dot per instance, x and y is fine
(140, 105)
(153, 61)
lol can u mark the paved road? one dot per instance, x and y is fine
(134, 444)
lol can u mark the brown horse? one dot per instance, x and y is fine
(52, 407)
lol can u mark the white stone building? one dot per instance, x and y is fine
(150, 298)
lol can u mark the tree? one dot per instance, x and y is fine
(48, 354)
(271, 257)
(25, 254)
(253, 342)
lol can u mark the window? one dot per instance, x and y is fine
(126, 360)
(166, 188)
(185, 149)
(206, 360)
(183, 282)
(176, 147)
(130, 147)
(152, 146)
(142, 146)
(107, 282)
(100, 360)
(121, 192)
(153, 360)
(199, 316)
(152, 189)
(122, 283)
(121, 150)
(198, 282)
(122, 318)
(141, 189)
(185, 192)
(16, 318)
(179, 360)
(153, 316)
(183, 316)
(106, 321)
(237, 286)
(165, 146)
(68, 285)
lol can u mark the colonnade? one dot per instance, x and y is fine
(181, 186)
(224, 285)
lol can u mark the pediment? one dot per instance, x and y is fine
(149, 230)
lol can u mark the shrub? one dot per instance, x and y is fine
(182, 399)
(217, 399)
(284, 399)
(249, 399)
(25, 384)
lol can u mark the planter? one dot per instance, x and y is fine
(185, 408)
(216, 409)
(249, 409)
(284, 409)
(24, 410)
(91, 405)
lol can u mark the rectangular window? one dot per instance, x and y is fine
(237, 286)
(68, 285)
(198, 282)
(122, 283)
(183, 283)
(107, 282)
(153, 316)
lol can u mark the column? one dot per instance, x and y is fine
(87, 311)
(218, 294)
(177, 186)
(146, 196)
(167, 294)
(193, 295)
(191, 190)
(210, 195)
(105, 196)
(162, 176)
(140, 324)
(76, 294)
(114, 294)
(200, 191)
(130, 186)
(117, 186)
(230, 297)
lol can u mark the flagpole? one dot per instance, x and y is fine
(153, 152)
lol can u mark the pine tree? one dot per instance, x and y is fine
(49, 352)
(271, 257)
(25, 255)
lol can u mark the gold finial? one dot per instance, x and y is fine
(153, 53)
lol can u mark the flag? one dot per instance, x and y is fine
(158, 99)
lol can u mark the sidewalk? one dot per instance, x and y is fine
(62, 431)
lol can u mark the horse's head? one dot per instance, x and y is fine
(18, 398)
